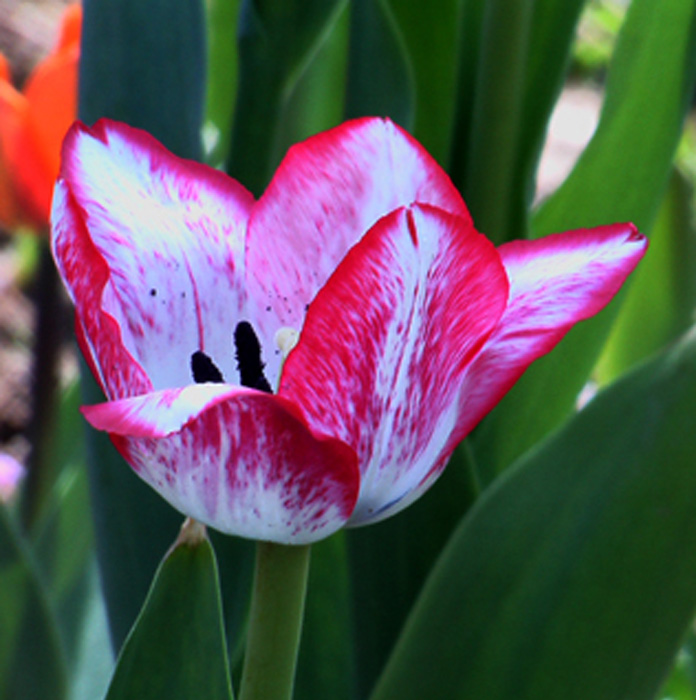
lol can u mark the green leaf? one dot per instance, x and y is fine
(276, 41)
(325, 664)
(622, 174)
(31, 658)
(660, 304)
(389, 563)
(620, 177)
(430, 33)
(177, 647)
(144, 63)
(379, 74)
(504, 103)
(222, 77)
(63, 541)
(573, 577)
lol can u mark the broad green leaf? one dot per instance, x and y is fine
(222, 77)
(430, 33)
(177, 647)
(379, 74)
(660, 303)
(142, 63)
(325, 665)
(499, 92)
(504, 102)
(621, 176)
(31, 659)
(389, 563)
(276, 40)
(318, 99)
(573, 577)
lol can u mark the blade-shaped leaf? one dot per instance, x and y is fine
(389, 563)
(144, 63)
(222, 76)
(573, 577)
(325, 664)
(31, 659)
(430, 33)
(379, 74)
(661, 301)
(275, 42)
(620, 177)
(177, 647)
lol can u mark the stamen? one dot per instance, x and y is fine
(286, 339)
(204, 370)
(249, 357)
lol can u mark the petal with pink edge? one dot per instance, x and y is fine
(241, 461)
(555, 282)
(327, 192)
(385, 346)
(170, 234)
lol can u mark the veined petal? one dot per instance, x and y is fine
(241, 461)
(327, 192)
(555, 282)
(386, 344)
(170, 235)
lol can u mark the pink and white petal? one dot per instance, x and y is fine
(326, 194)
(555, 282)
(85, 274)
(385, 346)
(241, 461)
(172, 235)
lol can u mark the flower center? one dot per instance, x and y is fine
(248, 356)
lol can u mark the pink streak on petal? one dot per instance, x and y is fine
(171, 233)
(241, 461)
(555, 282)
(386, 344)
(85, 274)
(328, 191)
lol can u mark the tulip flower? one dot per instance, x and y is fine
(32, 126)
(409, 325)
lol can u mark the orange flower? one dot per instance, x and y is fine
(32, 125)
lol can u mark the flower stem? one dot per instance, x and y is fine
(274, 631)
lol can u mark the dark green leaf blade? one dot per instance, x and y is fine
(430, 35)
(389, 563)
(325, 665)
(275, 42)
(379, 73)
(620, 177)
(144, 63)
(31, 658)
(574, 576)
(660, 304)
(177, 647)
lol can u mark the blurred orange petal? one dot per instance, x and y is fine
(71, 23)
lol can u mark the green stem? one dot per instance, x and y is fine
(274, 631)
